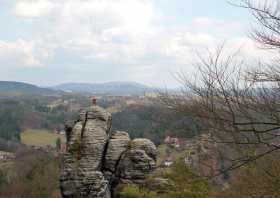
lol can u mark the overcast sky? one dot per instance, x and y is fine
(47, 42)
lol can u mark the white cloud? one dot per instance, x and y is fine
(121, 33)
(119, 30)
(206, 24)
(18, 54)
(250, 50)
(95, 28)
(32, 9)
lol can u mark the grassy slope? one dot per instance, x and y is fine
(37, 137)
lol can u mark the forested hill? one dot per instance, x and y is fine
(154, 122)
(111, 88)
(19, 88)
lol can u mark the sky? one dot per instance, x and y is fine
(48, 42)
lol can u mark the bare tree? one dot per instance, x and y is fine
(267, 15)
(239, 108)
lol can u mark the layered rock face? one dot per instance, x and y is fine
(97, 160)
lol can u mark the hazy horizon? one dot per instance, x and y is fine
(104, 82)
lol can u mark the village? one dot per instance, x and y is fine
(198, 153)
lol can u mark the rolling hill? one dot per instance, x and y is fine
(110, 88)
(19, 88)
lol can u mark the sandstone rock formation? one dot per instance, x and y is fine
(97, 160)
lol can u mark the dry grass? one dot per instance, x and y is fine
(35, 137)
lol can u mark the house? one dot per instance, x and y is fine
(167, 140)
(174, 142)
(168, 162)
(170, 140)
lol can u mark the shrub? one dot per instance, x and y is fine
(185, 184)
(76, 147)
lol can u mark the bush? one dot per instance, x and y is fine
(133, 191)
(185, 184)
(76, 147)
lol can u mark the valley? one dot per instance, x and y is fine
(37, 131)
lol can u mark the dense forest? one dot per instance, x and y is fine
(155, 122)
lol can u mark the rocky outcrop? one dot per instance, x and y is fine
(97, 160)
(137, 161)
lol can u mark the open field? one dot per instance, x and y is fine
(35, 137)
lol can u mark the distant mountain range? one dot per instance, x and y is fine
(109, 88)
(19, 88)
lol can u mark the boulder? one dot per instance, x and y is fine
(117, 146)
(146, 145)
(134, 166)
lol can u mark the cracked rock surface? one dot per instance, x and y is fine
(97, 160)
